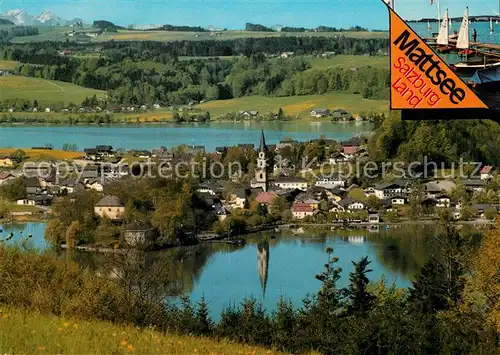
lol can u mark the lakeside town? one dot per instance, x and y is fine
(283, 192)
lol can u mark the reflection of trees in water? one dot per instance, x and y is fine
(177, 270)
(407, 248)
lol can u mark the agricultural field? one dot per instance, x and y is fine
(45, 34)
(46, 91)
(41, 154)
(32, 333)
(297, 106)
(349, 61)
(59, 34)
(8, 64)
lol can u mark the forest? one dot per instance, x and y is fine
(445, 142)
(140, 74)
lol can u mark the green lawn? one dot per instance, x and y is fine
(299, 106)
(45, 91)
(8, 64)
(350, 61)
(31, 333)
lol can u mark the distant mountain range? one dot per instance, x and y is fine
(47, 18)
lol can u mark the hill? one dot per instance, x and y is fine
(4, 21)
(299, 106)
(44, 91)
(52, 335)
(106, 26)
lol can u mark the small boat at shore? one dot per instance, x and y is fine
(485, 79)
(443, 38)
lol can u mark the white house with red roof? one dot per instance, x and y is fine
(487, 172)
(302, 210)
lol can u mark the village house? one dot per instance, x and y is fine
(238, 199)
(476, 185)
(350, 204)
(137, 235)
(338, 158)
(320, 112)
(286, 55)
(110, 207)
(100, 152)
(341, 115)
(391, 189)
(398, 200)
(6, 161)
(330, 181)
(33, 185)
(291, 183)
(443, 201)
(350, 152)
(249, 114)
(266, 198)
(26, 201)
(487, 172)
(302, 210)
(6, 176)
(435, 188)
(70, 186)
(480, 209)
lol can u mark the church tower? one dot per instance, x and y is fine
(261, 170)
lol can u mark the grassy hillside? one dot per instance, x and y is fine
(46, 91)
(349, 61)
(296, 105)
(30, 333)
(8, 64)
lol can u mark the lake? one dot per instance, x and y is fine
(266, 268)
(210, 135)
(482, 28)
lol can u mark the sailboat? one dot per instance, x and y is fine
(463, 43)
(491, 26)
(429, 27)
(443, 38)
(463, 46)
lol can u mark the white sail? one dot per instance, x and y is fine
(429, 27)
(463, 35)
(443, 36)
(491, 25)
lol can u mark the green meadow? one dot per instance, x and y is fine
(296, 106)
(59, 34)
(349, 61)
(23, 332)
(46, 91)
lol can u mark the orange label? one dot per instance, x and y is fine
(420, 79)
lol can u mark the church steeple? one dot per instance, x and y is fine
(262, 167)
(263, 265)
(263, 146)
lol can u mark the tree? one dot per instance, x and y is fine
(204, 324)
(360, 299)
(428, 293)
(55, 232)
(72, 234)
(373, 203)
(329, 295)
(18, 156)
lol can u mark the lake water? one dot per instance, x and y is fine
(210, 135)
(21, 233)
(266, 268)
(482, 28)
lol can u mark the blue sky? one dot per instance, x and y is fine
(235, 13)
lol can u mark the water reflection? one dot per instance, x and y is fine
(263, 265)
(226, 274)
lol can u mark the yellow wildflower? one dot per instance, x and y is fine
(123, 342)
(130, 347)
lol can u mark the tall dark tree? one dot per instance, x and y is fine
(428, 294)
(360, 299)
